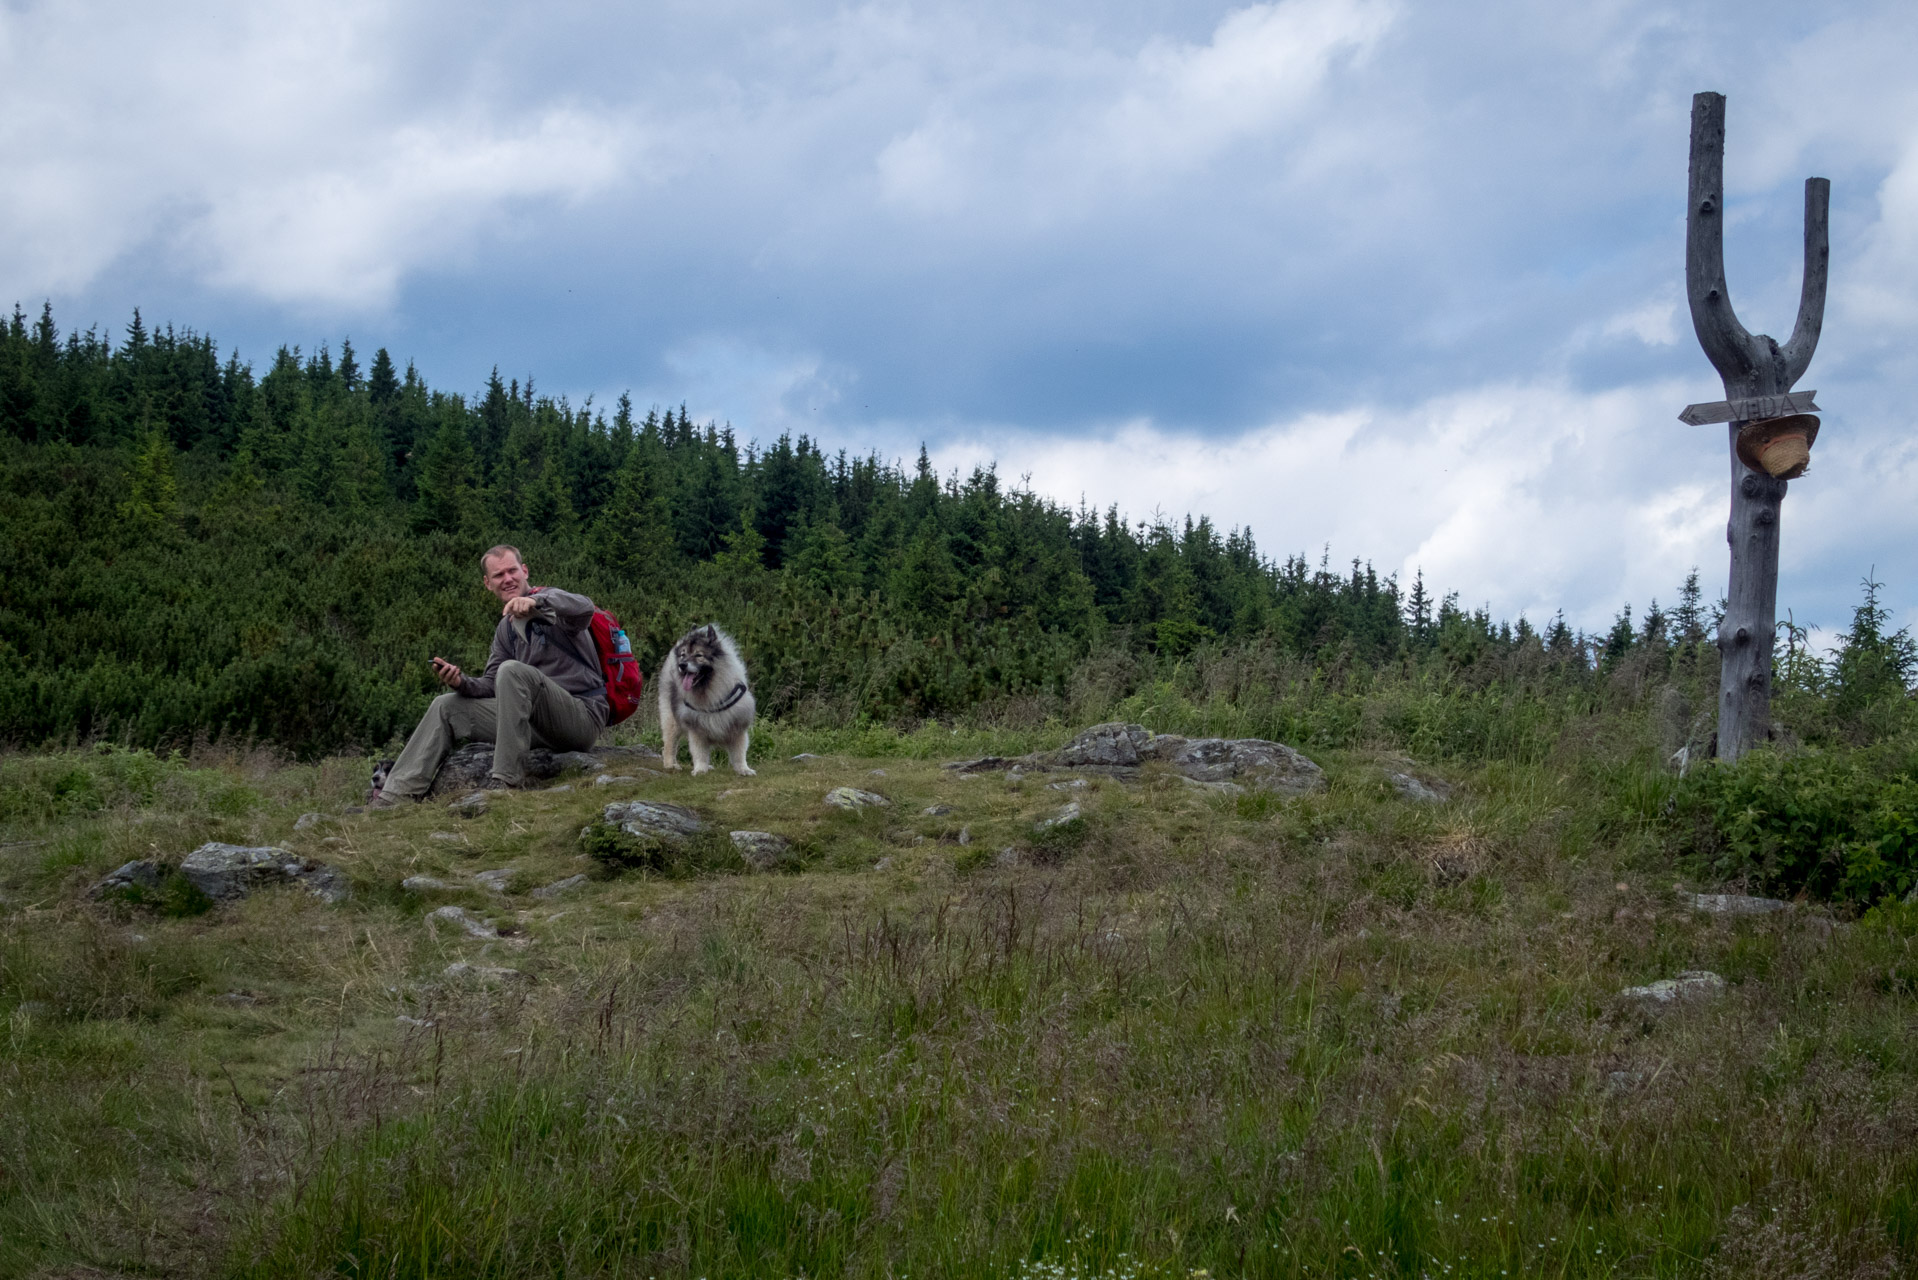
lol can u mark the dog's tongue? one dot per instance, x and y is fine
(686, 682)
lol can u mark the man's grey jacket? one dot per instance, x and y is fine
(556, 642)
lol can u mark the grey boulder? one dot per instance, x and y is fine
(494, 881)
(232, 871)
(655, 820)
(1250, 762)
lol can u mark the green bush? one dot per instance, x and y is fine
(1827, 823)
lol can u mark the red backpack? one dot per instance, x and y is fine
(624, 682)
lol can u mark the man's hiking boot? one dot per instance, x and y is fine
(496, 783)
(382, 801)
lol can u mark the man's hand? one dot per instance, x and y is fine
(519, 607)
(448, 674)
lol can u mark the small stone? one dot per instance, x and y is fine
(553, 791)
(239, 997)
(1069, 813)
(1074, 784)
(936, 810)
(1006, 857)
(142, 872)
(407, 1020)
(307, 821)
(447, 837)
(853, 798)
(730, 792)
(494, 881)
(1624, 1081)
(806, 755)
(472, 924)
(1415, 790)
(569, 760)
(917, 841)
(1691, 984)
(984, 764)
(558, 887)
(608, 779)
(965, 835)
(424, 884)
(461, 970)
(762, 850)
(326, 883)
(1731, 904)
(877, 773)
(884, 864)
(470, 806)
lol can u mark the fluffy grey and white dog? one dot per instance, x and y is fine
(703, 694)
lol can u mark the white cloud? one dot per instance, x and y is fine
(1261, 69)
(279, 153)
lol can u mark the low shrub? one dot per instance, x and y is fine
(1825, 823)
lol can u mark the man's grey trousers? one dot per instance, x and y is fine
(525, 711)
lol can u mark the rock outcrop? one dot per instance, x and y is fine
(468, 768)
(1122, 750)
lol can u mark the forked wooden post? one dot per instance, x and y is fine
(1752, 365)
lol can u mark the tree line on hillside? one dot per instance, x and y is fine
(197, 551)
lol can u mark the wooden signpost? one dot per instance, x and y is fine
(1758, 374)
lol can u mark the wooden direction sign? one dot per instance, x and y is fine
(1750, 410)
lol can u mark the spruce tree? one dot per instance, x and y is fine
(152, 494)
(445, 481)
(634, 530)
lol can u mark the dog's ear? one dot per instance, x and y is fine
(712, 633)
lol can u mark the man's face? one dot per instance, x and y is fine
(506, 577)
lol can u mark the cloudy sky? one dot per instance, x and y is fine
(1397, 278)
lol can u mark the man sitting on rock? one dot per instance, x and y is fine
(543, 687)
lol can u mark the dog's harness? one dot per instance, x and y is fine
(732, 700)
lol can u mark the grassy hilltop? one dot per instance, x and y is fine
(1190, 1032)
(1187, 1032)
